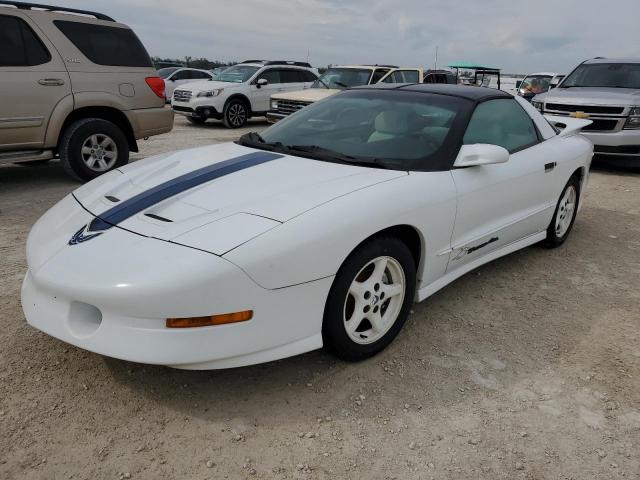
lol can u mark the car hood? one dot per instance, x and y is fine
(206, 85)
(231, 206)
(308, 95)
(592, 96)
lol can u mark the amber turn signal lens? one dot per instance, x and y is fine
(195, 322)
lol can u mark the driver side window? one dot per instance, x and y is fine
(501, 122)
(272, 76)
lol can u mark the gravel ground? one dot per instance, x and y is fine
(526, 368)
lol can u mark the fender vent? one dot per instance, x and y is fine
(158, 217)
(111, 198)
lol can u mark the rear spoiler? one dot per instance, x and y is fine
(567, 125)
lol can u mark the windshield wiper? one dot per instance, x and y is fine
(340, 84)
(255, 140)
(322, 153)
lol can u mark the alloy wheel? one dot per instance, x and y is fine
(375, 300)
(566, 209)
(99, 152)
(237, 114)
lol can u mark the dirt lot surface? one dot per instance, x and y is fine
(526, 368)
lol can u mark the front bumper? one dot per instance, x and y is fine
(113, 294)
(623, 143)
(198, 112)
(286, 322)
(273, 117)
(202, 107)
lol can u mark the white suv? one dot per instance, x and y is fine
(241, 92)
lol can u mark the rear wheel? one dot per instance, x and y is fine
(91, 147)
(565, 214)
(236, 114)
(370, 299)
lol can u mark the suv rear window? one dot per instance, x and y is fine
(103, 45)
(20, 46)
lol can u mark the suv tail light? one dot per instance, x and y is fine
(157, 85)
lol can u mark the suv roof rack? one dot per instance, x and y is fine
(381, 65)
(275, 62)
(51, 8)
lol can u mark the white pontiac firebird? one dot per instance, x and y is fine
(322, 231)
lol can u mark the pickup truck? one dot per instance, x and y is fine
(607, 92)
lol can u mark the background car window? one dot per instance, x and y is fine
(535, 84)
(199, 75)
(395, 77)
(410, 76)
(291, 76)
(308, 76)
(102, 45)
(616, 75)
(19, 46)
(501, 122)
(272, 76)
(378, 74)
(182, 75)
(237, 74)
(166, 72)
(341, 78)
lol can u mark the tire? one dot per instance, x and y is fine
(197, 120)
(91, 147)
(236, 114)
(564, 215)
(379, 280)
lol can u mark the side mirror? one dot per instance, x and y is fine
(518, 83)
(481, 154)
(262, 82)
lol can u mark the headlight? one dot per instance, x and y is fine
(211, 93)
(633, 122)
(274, 104)
(538, 106)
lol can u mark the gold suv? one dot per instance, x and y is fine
(76, 84)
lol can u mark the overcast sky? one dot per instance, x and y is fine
(518, 36)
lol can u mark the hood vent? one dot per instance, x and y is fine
(158, 217)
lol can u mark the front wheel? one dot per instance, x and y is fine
(236, 114)
(565, 214)
(370, 299)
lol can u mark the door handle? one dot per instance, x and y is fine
(51, 82)
(550, 166)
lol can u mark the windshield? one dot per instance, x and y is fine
(237, 74)
(342, 78)
(535, 84)
(165, 72)
(614, 75)
(380, 128)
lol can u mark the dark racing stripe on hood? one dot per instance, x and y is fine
(171, 188)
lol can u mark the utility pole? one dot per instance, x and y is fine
(436, 65)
